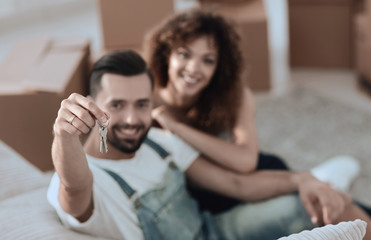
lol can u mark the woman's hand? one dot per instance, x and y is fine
(165, 118)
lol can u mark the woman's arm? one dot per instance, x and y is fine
(239, 155)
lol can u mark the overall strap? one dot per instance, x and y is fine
(129, 191)
(155, 146)
(122, 183)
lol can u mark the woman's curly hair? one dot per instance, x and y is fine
(217, 107)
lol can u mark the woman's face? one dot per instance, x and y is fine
(192, 66)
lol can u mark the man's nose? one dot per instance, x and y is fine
(131, 116)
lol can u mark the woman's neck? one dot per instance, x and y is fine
(172, 99)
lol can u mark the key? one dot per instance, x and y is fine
(103, 129)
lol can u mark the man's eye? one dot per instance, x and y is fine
(116, 105)
(143, 105)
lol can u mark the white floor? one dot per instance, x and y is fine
(338, 84)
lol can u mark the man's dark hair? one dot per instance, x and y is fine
(122, 62)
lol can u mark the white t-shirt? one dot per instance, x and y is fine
(113, 215)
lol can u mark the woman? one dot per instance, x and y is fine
(196, 62)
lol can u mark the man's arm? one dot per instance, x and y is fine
(319, 199)
(75, 117)
(255, 186)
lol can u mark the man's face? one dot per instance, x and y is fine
(128, 100)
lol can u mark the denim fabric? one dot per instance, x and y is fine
(264, 220)
(170, 213)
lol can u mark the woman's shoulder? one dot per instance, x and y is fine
(247, 93)
(248, 99)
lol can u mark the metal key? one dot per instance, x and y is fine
(103, 129)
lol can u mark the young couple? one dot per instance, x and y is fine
(138, 189)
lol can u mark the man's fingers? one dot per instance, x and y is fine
(326, 215)
(332, 206)
(68, 128)
(309, 206)
(89, 105)
(83, 115)
(80, 125)
(78, 115)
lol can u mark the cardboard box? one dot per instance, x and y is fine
(34, 78)
(320, 33)
(224, 1)
(362, 38)
(124, 23)
(252, 24)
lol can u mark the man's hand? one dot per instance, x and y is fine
(322, 203)
(77, 115)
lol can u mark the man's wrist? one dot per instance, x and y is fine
(299, 177)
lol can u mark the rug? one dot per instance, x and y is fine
(306, 129)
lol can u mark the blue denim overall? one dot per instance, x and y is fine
(168, 212)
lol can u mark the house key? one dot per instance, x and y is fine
(103, 129)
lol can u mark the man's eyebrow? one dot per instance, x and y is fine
(121, 101)
(117, 101)
(144, 100)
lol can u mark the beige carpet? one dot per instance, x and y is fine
(306, 129)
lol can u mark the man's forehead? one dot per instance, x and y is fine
(113, 77)
(126, 88)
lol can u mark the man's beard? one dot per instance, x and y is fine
(127, 145)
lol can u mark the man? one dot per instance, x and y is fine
(135, 190)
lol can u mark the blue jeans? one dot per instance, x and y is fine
(268, 220)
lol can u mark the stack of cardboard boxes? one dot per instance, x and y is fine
(125, 23)
(321, 33)
(34, 77)
(332, 33)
